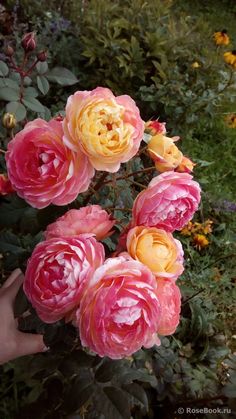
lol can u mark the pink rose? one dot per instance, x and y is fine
(108, 129)
(120, 311)
(90, 219)
(170, 300)
(168, 203)
(58, 272)
(42, 169)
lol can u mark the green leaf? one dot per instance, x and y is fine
(113, 403)
(43, 84)
(3, 69)
(62, 76)
(9, 242)
(17, 109)
(107, 370)
(33, 104)
(9, 94)
(139, 396)
(42, 67)
(8, 82)
(79, 392)
(30, 92)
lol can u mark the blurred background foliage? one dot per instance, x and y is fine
(145, 49)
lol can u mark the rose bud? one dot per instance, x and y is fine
(42, 56)
(29, 42)
(9, 120)
(9, 51)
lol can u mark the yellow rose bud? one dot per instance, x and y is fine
(156, 249)
(164, 153)
(186, 165)
(9, 120)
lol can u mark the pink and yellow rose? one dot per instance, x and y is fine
(168, 203)
(42, 169)
(91, 219)
(120, 311)
(156, 249)
(58, 272)
(108, 129)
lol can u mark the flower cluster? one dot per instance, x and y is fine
(129, 299)
(52, 162)
(198, 232)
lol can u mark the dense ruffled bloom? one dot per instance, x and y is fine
(156, 127)
(168, 203)
(120, 311)
(170, 299)
(164, 153)
(58, 272)
(42, 169)
(5, 185)
(221, 38)
(230, 58)
(156, 249)
(106, 128)
(90, 219)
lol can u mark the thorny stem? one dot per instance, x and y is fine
(98, 185)
(145, 170)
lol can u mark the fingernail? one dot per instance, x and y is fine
(45, 349)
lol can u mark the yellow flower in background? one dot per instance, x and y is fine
(207, 227)
(231, 120)
(221, 38)
(187, 230)
(230, 58)
(195, 65)
(200, 241)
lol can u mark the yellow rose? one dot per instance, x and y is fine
(156, 249)
(108, 129)
(164, 153)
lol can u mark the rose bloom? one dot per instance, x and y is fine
(120, 311)
(106, 128)
(58, 272)
(170, 299)
(156, 249)
(164, 153)
(168, 203)
(90, 219)
(5, 185)
(186, 165)
(42, 169)
(156, 127)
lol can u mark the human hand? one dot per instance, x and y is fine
(14, 343)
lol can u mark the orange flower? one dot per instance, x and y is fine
(221, 37)
(230, 58)
(200, 241)
(231, 120)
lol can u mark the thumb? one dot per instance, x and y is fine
(28, 343)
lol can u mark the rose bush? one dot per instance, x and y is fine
(42, 169)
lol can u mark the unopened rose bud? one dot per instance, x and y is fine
(29, 42)
(186, 165)
(9, 120)
(42, 56)
(9, 51)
